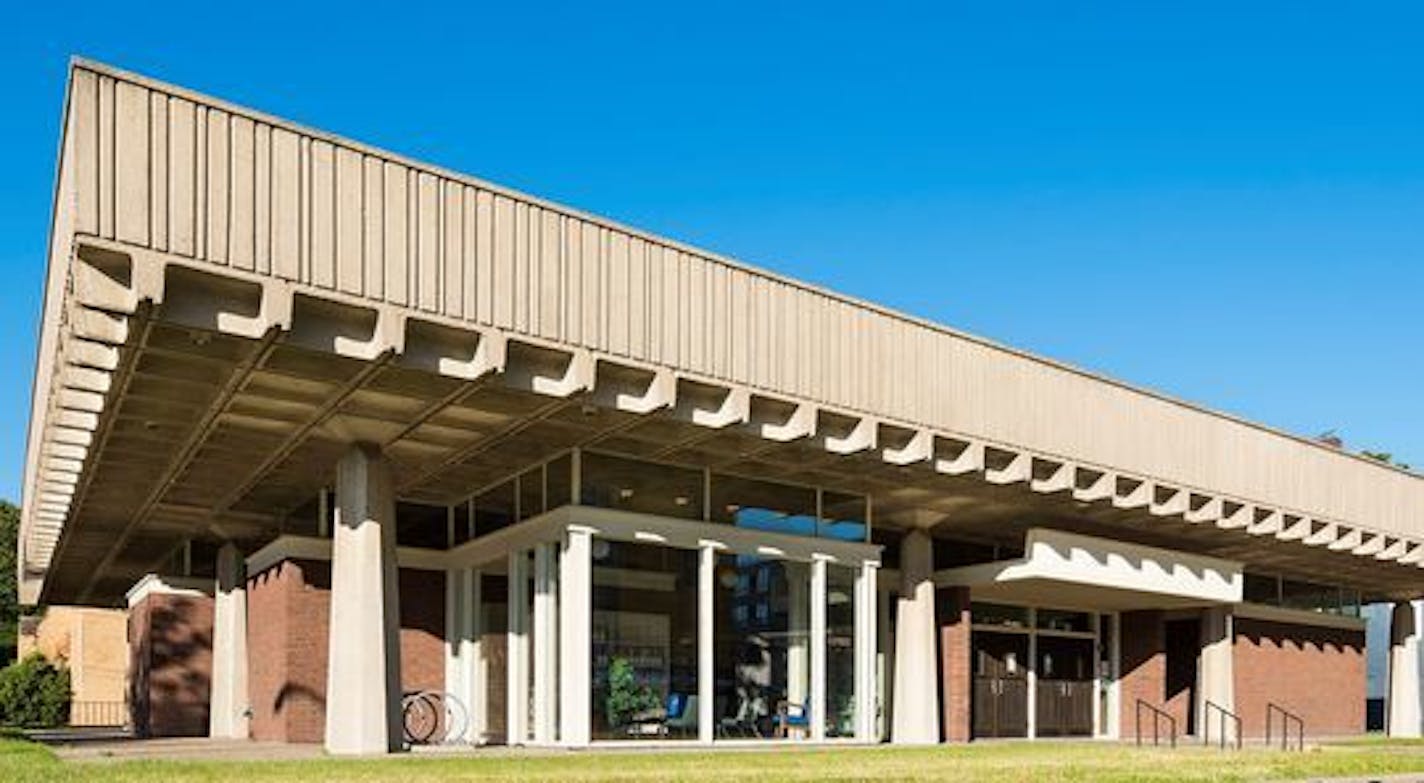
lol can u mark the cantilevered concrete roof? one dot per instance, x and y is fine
(232, 298)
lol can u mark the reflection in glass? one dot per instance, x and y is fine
(999, 615)
(843, 516)
(494, 508)
(840, 651)
(531, 493)
(761, 613)
(644, 487)
(763, 505)
(644, 636)
(558, 482)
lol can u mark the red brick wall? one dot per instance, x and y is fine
(289, 608)
(1144, 666)
(1317, 673)
(171, 664)
(952, 606)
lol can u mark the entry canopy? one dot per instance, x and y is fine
(1096, 573)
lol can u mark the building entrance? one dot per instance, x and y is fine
(1064, 687)
(1000, 703)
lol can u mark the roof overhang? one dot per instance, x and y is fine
(233, 299)
(1065, 569)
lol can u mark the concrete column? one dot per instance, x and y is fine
(817, 701)
(884, 660)
(1404, 710)
(706, 663)
(866, 688)
(576, 637)
(363, 694)
(916, 714)
(546, 644)
(463, 677)
(1031, 674)
(228, 712)
(798, 606)
(1217, 678)
(517, 655)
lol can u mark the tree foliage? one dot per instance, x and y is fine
(9, 594)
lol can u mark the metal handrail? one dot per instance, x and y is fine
(1287, 718)
(1158, 715)
(1212, 707)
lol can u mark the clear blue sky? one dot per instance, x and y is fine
(1223, 201)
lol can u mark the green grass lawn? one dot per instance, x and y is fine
(1046, 761)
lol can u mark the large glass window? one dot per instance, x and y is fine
(843, 516)
(762, 642)
(531, 493)
(840, 651)
(763, 505)
(644, 642)
(494, 508)
(644, 487)
(558, 482)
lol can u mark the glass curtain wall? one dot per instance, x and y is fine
(840, 651)
(644, 642)
(762, 636)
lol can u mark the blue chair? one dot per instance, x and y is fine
(681, 714)
(793, 716)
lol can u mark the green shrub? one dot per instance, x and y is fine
(34, 693)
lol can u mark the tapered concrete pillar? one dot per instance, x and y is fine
(1217, 673)
(1405, 717)
(228, 709)
(363, 693)
(916, 710)
(575, 637)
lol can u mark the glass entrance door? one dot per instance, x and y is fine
(1064, 688)
(1000, 703)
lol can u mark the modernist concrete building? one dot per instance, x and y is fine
(339, 425)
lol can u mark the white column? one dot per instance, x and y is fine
(1216, 671)
(228, 713)
(916, 713)
(884, 661)
(575, 629)
(1404, 710)
(867, 601)
(363, 672)
(546, 643)
(1032, 674)
(517, 656)
(817, 701)
(706, 665)
(798, 606)
(472, 658)
(462, 650)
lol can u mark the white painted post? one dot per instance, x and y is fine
(1032, 671)
(517, 655)
(706, 671)
(228, 710)
(866, 688)
(363, 695)
(1404, 708)
(545, 644)
(472, 659)
(454, 632)
(916, 703)
(817, 701)
(575, 628)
